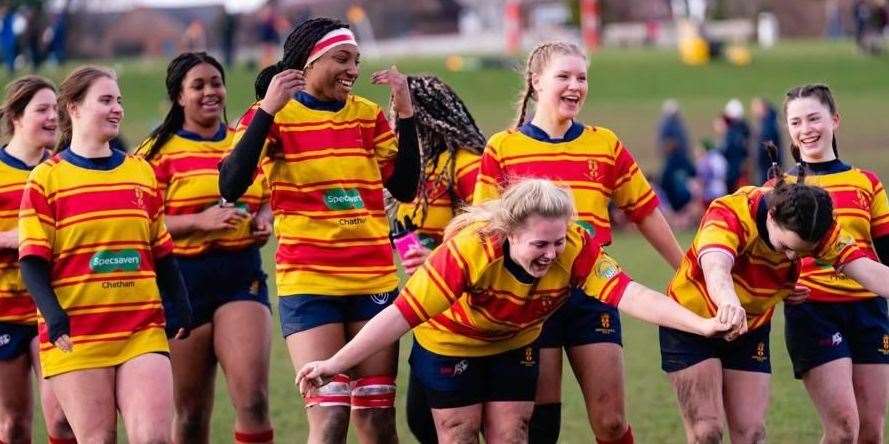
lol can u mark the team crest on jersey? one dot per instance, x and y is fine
(607, 268)
(139, 197)
(594, 171)
(587, 226)
(884, 349)
(605, 324)
(759, 354)
(528, 357)
(861, 200)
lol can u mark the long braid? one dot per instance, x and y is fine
(444, 125)
(296, 50)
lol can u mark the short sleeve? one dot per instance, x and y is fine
(597, 274)
(490, 179)
(632, 192)
(36, 219)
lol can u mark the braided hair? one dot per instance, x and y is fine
(175, 118)
(296, 49)
(806, 210)
(444, 125)
(538, 60)
(820, 92)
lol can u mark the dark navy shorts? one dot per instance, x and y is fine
(819, 332)
(15, 339)
(749, 352)
(307, 311)
(581, 320)
(216, 278)
(451, 382)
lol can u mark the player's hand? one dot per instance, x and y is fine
(713, 327)
(733, 314)
(281, 89)
(261, 226)
(314, 375)
(414, 258)
(798, 295)
(219, 218)
(401, 94)
(64, 344)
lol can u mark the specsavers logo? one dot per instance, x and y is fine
(111, 261)
(343, 199)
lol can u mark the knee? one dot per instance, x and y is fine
(754, 434)
(512, 432)
(255, 409)
(707, 432)
(459, 431)
(610, 427)
(842, 429)
(192, 424)
(15, 428)
(870, 430)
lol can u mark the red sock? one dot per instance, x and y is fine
(266, 436)
(626, 439)
(62, 440)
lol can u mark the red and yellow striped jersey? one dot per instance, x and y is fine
(188, 175)
(101, 230)
(326, 170)
(590, 160)
(762, 276)
(470, 299)
(16, 305)
(441, 206)
(862, 210)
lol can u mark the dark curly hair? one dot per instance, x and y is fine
(806, 210)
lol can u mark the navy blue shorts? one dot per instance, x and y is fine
(15, 339)
(450, 381)
(307, 311)
(219, 277)
(750, 352)
(819, 332)
(581, 320)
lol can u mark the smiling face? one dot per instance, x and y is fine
(536, 244)
(100, 112)
(786, 241)
(203, 96)
(37, 125)
(561, 87)
(332, 76)
(811, 127)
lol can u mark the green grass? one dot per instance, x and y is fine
(627, 87)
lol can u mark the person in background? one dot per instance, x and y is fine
(678, 168)
(736, 145)
(767, 131)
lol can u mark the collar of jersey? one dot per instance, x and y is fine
(15, 162)
(218, 137)
(821, 168)
(536, 133)
(515, 269)
(761, 212)
(311, 102)
(95, 163)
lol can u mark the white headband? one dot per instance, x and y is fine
(337, 37)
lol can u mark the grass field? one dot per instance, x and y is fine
(627, 87)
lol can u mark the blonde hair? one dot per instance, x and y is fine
(524, 199)
(538, 60)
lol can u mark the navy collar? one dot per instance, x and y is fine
(536, 133)
(95, 163)
(17, 163)
(218, 137)
(515, 269)
(822, 168)
(311, 102)
(762, 211)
